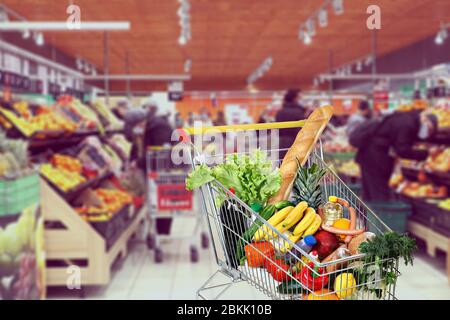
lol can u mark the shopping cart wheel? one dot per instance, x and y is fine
(205, 240)
(158, 255)
(151, 241)
(194, 254)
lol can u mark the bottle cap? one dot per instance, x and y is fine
(333, 199)
(314, 254)
(310, 241)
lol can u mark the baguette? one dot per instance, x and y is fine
(301, 149)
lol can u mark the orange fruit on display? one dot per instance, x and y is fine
(343, 224)
(323, 294)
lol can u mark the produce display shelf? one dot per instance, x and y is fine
(69, 238)
(437, 178)
(441, 137)
(433, 239)
(111, 229)
(75, 192)
(427, 212)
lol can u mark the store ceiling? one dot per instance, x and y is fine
(230, 39)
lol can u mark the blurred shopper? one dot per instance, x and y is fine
(120, 109)
(179, 122)
(290, 111)
(264, 118)
(133, 118)
(361, 116)
(220, 119)
(190, 119)
(382, 142)
(158, 133)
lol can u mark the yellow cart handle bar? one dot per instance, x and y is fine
(243, 127)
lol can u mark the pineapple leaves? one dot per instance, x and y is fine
(307, 185)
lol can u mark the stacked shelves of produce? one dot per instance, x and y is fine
(426, 186)
(90, 202)
(22, 256)
(62, 124)
(89, 216)
(340, 156)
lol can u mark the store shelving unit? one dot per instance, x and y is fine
(429, 222)
(73, 241)
(69, 239)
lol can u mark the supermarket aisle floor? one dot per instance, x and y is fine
(138, 277)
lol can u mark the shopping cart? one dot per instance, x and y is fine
(230, 218)
(167, 198)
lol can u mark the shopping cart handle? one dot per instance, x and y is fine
(243, 127)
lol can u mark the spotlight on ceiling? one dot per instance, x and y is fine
(359, 66)
(39, 39)
(307, 39)
(441, 36)
(182, 40)
(323, 18)
(26, 34)
(187, 65)
(338, 7)
(3, 15)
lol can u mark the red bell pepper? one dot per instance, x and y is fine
(313, 280)
(279, 270)
(258, 252)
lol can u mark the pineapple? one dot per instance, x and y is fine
(307, 185)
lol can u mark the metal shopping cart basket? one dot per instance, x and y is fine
(351, 277)
(167, 198)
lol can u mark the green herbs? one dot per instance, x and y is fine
(389, 245)
(379, 267)
(252, 177)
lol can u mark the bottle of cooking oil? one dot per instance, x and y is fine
(332, 211)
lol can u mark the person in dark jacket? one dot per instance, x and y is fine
(290, 111)
(158, 133)
(394, 137)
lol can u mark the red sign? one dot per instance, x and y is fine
(380, 100)
(174, 197)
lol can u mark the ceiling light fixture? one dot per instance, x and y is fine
(184, 22)
(26, 34)
(323, 18)
(3, 15)
(187, 65)
(307, 39)
(442, 34)
(359, 66)
(338, 7)
(308, 30)
(39, 39)
(260, 71)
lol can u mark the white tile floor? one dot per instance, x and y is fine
(138, 277)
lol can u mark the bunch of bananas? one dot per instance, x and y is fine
(302, 220)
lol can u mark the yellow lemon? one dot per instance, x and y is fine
(344, 285)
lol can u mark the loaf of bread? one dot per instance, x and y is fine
(301, 149)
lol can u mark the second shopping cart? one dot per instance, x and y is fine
(168, 199)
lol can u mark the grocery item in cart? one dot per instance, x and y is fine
(301, 149)
(332, 211)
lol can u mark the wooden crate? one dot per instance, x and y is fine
(433, 241)
(74, 240)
